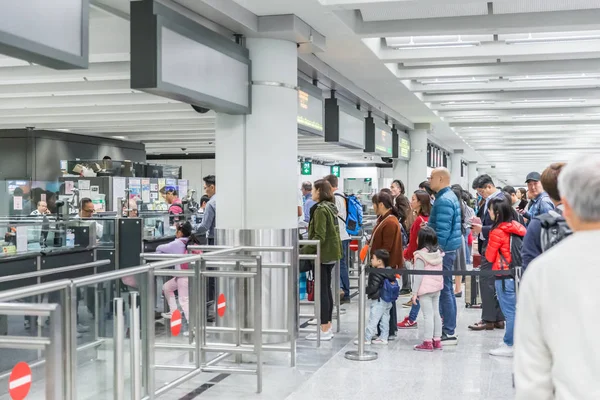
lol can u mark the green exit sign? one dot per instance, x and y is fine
(306, 168)
(335, 170)
(367, 180)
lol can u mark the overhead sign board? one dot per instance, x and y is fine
(175, 57)
(50, 33)
(310, 109)
(344, 125)
(379, 138)
(403, 146)
(335, 170)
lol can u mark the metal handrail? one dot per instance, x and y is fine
(317, 287)
(52, 271)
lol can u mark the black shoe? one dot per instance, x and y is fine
(345, 300)
(405, 292)
(449, 340)
(459, 294)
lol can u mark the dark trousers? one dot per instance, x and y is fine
(326, 295)
(490, 308)
(211, 282)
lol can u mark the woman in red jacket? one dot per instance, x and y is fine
(421, 206)
(499, 254)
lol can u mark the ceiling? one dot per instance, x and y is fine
(515, 84)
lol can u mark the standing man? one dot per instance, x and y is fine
(445, 219)
(172, 198)
(491, 315)
(557, 320)
(340, 204)
(540, 201)
(207, 226)
(307, 199)
(514, 199)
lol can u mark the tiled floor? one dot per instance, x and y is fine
(465, 372)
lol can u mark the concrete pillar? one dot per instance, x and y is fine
(472, 174)
(417, 166)
(456, 161)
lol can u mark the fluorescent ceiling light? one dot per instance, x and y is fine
(559, 39)
(466, 103)
(543, 116)
(453, 81)
(475, 117)
(435, 45)
(119, 137)
(553, 77)
(62, 130)
(534, 101)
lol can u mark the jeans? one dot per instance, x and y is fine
(447, 299)
(467, 248)
(414, 311)
(379, 316)
(326, 295)
(430, 303)
(344, 275)
(507, 297)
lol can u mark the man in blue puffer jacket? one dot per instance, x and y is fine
(445, 219)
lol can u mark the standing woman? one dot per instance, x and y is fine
(323, 226)
(387, 235)
(421, 207)
(405, 219)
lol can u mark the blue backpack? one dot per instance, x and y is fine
(390, 291)
(354, 215)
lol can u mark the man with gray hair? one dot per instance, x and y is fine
(308, 202)
(556, 336)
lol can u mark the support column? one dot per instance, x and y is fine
(472, 175)
(455, 161)
(417, 166)
(257, 185)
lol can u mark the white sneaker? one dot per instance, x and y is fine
(325, 336)
(367, 342)
(380, 341)
(312, 322)
(503, 351)
(166, 315)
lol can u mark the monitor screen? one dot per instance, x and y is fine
(383, 141)
(352, 130)
(310, 113)
(403, 146)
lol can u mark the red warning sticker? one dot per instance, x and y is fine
(176, 323)
(221, 305)
(19, 382)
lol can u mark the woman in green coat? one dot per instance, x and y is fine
(323, 227)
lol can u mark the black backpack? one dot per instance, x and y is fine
(554, 229)
(516, 245)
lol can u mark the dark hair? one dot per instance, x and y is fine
(383, 255)
(388, 202)
(333, 180)
(18, 192)
(483, 181)
(510, 190)
(84, 201)
(503, 211)
(204, 199)
(185, 228)
(325, 190)
(549, 180)
(106, 158)
(400, 185)
(523, 192)
(427, 239)
(426, 187)
(210, 180)
(386, 190)
(425, 202)
(403, 207)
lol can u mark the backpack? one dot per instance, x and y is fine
(390, 291)
(554, 229)
(516, 245)
(354, 214)
(405, 236)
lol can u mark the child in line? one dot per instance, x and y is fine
(427, 288)
(382, 296)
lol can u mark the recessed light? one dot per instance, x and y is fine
(119, 137)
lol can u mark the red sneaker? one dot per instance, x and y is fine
(407, 324)
(425, 346)
(437, 344)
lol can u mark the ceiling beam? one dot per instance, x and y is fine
(524, 110)
(495, 50)
(505, 84)
(501, 69)
(106, 126)
(586, 93)
(83, 101)
(39, 74)
(66, 89)
(550, 21)
(525, 123)
(107, 111)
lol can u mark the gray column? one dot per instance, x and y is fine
(417, 166)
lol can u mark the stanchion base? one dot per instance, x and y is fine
(354, 355)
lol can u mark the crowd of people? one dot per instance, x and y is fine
(535, 235)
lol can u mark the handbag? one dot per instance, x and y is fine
(306, 265)
(310, 286)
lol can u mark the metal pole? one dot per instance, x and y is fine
(72, 337)
(337, 281)
(197, 311)
(361, 354)
(201, 340)
(317, 290)
(145, 293)
(293, 303)
(54, 358)
(258, 323)
(239, 305)
(118, 370)
(134, 335)
(150, 336)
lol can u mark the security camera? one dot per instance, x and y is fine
(387, 160)
(183, 149)
(200, 110)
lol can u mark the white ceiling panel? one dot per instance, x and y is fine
(414, 10)
(528, 6)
